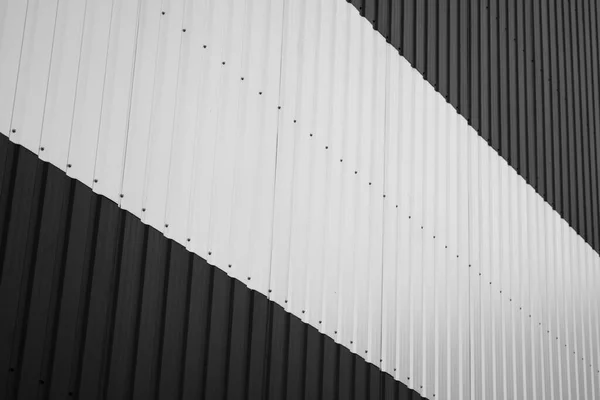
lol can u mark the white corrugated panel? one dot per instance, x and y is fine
(288, 144)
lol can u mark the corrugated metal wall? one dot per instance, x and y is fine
(525, 74)
(95, 304)
(289, 145)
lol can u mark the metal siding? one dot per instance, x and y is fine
(105, 306)
(288, 144)
(547, 40)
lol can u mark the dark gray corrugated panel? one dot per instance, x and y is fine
(525, 76)
(95, 304)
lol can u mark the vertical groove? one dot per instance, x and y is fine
(29, 275)
(114, 299)
(15, 152)
(138, 314)
(249, 341)
(186, 323)
(321, 365)
(83, 312)
(267, 355)
(163, 316)
(229, 327)
(207, 330)
(61, 265)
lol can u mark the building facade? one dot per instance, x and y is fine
(303, 199)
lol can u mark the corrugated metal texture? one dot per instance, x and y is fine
(95, 304)
(290, 146)
(524, 73)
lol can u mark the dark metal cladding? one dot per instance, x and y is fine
(95, 304)
(525, 75)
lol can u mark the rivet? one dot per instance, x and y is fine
(143, 210)
(260, 93)
(223, 62)
(166, 225)
(384, 196)
(68, 165)
(14, 131)
(355, 172)
(163, 13)
(294, 121)
(183, 29)
(229, 265)
(311, 135)
(319, 321)
(95, 180)
(302, 311)
(369, 183)
(335, 332)
(396, 205)
(351, 342)
(209, 253)
(341, 160)
(270, 291)
(204, 46)
(248, 278)
(242, 78)
(188, 239)
(326, 147)
(121, 195)
(41, 149)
